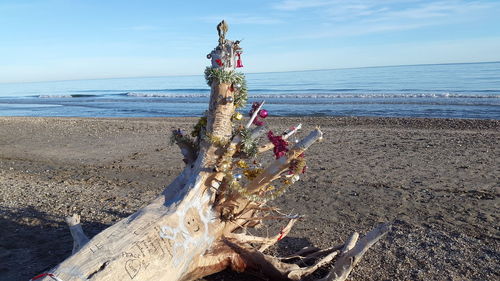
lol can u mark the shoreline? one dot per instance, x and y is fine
(423, 122)
(436, 180)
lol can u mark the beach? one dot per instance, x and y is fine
(435, 180)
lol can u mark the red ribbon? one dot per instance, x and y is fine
(238, 62)
(281, 235)
(45, 274)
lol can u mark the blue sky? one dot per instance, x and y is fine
(63, 40)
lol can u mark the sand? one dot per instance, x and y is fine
(436, 180)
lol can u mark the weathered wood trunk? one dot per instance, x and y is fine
(160, 241)
(196, 227)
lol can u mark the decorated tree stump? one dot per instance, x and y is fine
(198, 225)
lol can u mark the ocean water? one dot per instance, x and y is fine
(440, 91)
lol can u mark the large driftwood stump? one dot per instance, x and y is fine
(197, 226)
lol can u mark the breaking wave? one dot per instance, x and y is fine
(166, 95)
(64, 96)
(323, 95)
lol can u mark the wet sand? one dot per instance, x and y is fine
(436, 180)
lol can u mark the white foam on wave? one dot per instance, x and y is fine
(372, 95)
(323, 95)
(165, 95)
(28, 105)
(54, 96)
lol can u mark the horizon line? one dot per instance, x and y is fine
(264, 72)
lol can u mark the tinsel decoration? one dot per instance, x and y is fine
(298, 165)
(231, 77)
(216, 140)
(252, 173)
(280, 145)
(234, 185)
(242, 164)
(249, 147)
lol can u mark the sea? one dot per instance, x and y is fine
(469, 90)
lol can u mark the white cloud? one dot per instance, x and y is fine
(293, 5)
(431, 10)
(346, 18)
(338, 10)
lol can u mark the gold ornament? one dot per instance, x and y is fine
(224, 166)
(238, 116)
(242, 164)
(252, 173)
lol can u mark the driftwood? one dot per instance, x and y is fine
(198, 225)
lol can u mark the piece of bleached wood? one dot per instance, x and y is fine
(79, 237)
(298, 274)
(351, 242)
(265, 242)
(310, 253)
(353, 252)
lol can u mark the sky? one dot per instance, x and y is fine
(44, 40)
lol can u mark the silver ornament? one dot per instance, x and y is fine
(229, 99)
(237, 86)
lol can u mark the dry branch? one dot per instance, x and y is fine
(79, 237)
(286, 136)
(280, 165)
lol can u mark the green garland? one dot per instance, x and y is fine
(249, 146)
(217, 141)
(231, 77)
